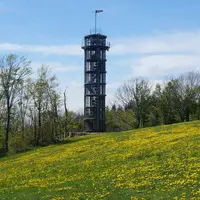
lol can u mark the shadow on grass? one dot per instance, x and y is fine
(72, 140)
(32, 148)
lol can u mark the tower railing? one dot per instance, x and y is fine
(97, 31)
(98, 43)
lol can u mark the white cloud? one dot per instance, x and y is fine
(113, 85)
(159, 55)
(165, 65)
(56, 66)
(155, 56)
(72, 49)
(172, 42)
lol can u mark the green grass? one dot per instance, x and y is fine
(152, 163)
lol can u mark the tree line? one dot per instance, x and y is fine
(138, 104)
(32, 111)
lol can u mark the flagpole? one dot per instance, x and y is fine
(95, 18)
(95, 23)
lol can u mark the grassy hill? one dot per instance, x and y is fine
(153, 163)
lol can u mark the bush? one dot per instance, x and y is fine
(2, 150)
(17, 144)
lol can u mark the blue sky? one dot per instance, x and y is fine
(152, 38)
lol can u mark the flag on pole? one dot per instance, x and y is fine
(98, 11)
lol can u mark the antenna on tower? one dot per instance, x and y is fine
(95, 18)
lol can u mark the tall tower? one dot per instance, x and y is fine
(95, 47)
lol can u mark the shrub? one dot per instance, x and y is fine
(17, 144)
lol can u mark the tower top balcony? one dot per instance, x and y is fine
(95, 40)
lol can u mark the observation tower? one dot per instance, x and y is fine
(95, 47)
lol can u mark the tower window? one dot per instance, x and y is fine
(102, 89)
(87, 101)
(102, 78)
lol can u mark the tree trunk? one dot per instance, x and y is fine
(39, 125)
(187, 115)
(60, 130)
(35, 130)
(52, 131)
(56, 121)
(182, 117)
(55, 128)
(23, 128)
(141, 124)
(7, 128)
(66, 116)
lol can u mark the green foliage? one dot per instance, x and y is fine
(119, 120)
(134, 96)
(75, 121)
(35, 108)
(1, 137)
(175, 101)
(2, 150)
(17, 144)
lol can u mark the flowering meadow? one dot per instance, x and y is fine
(152, 163)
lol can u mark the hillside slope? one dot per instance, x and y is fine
(153, 163)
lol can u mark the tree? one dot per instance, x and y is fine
(188, 91)
(13, 71)
(167, 103)
(46, 102)
(113, 108)
(134, 95)
(112, 122)
(155, 116)
(23, 101)
(66, 114)
(75, 121)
